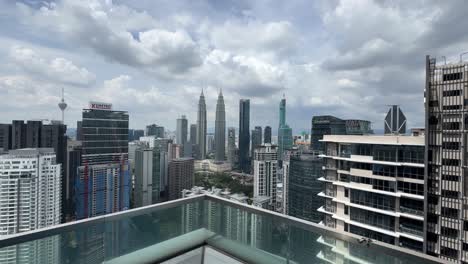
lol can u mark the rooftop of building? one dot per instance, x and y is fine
(376, 139)
(30, 151)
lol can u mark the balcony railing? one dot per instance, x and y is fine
(411, 230)
(163, 231)
(412, 211)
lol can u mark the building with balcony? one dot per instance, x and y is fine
(30, 199)
(265, 169)
(446, 165)
(374, 187)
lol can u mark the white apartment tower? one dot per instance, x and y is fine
(265, 167)
(374, 187)
(30, 192)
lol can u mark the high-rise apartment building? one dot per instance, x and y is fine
(34, 134)
(181, 176)
(220, 129)
(303, 186)
(30, 190)
(154, 130)
(265, 175)
(325, 125)
(79, 130)
(285, 140)
(147, 173)
(30, 198)
(374, 187)
(201, 127)
(446, 200)
(102, 189)
(244, 135)
(267, 135)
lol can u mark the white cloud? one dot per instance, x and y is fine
(119, 34)
(55, 69)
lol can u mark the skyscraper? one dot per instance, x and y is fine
(256, 138)
(267, 135)
(181, 135)
(285, 140)
(147, 172)
(30, 199)
(244, 135)
(201, 127)
(5, 136)
(303, 186)
(265, 174)
(30, 194)
(181, 176)
(220, 129)
(325, 125)
(446, 179)
(154, 130)
(105, 134)
(231, 145)
(34, 134)
(103, 182)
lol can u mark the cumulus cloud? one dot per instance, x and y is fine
(119, 34)
(247, 76)
(348, 58)
(253, 36)
(55, 69)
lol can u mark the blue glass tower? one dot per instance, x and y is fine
(285, 140)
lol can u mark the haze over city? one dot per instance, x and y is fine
(152, 58)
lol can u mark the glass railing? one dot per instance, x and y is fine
(161, 232)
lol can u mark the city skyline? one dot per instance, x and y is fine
(355, 68)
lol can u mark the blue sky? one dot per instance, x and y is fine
(345, 58)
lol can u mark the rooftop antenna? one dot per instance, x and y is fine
(62, 105)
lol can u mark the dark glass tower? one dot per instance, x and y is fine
(105, 136)
(244, 135)
(267, 135)
(303, 187)
(256, 138)
(325, 125)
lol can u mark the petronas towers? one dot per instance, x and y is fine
(220, 128)
(201, 127)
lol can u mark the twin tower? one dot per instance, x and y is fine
(220, 128)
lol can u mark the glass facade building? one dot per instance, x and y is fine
(105, 136)
(303, 186)
(244, 135)
(325, 125)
